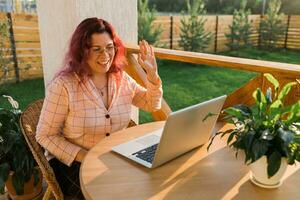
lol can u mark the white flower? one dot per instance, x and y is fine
(240, 126)
(235, 120)
(13, 103)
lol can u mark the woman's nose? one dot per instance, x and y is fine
(104, 55)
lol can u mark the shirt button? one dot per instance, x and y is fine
(107, 116)
(107, 134)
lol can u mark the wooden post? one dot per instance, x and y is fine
(216, 34)
(287, 31)
(13, 46)
(259, 31)
(171, 32)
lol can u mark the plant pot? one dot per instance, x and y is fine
(259, 175)
(30, 191)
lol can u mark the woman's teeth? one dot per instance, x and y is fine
(103, 63)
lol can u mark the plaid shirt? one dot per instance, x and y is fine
(74, 116)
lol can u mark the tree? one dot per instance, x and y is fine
(193, 36)
(272, 27)
(226, 6)
(3, 50)
(240, 30)
(146, 30)
(168, 5)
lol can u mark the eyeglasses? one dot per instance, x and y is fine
(98, 51)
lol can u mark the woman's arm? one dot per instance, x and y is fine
(148, 98)
(52, 118)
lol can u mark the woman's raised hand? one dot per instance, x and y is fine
(147, 59)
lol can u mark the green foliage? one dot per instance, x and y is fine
(272, 26)
(3, 51)
(240, 30)
(14, 153)
(193, 36)
(291, 7)
(266, 129)
(146, 29)
(167, 5)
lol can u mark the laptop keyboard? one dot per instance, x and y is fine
(147, 154)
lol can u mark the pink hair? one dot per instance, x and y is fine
(76, 57)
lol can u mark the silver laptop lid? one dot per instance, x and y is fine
(186, 129)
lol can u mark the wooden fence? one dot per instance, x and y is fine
(23, 51)
(22, 48)
(219, 26)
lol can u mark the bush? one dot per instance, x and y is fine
(240, 30)
(272, 27)
(146, 30)
(193, 36)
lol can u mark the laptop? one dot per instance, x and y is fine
(184, 130)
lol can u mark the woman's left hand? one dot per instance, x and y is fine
(147, 59)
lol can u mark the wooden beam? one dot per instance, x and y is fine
(259, 66)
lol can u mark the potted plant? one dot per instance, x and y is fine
(18, 169)
(268, 133)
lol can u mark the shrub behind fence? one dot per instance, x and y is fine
(219, 26)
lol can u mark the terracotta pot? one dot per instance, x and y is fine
(259, 175)
(30, 191)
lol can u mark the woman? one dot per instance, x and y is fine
(91, 97)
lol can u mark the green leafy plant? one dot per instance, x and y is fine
(240, 29)
(15, 155)
(268, 128)
(193, 36)
(146, 28)
(272, 26)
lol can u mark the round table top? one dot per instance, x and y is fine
(198, 174)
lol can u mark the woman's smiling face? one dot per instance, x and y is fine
(101, 53)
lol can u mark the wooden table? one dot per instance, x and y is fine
(198, 174)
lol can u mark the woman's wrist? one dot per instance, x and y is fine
(80, 155)
(153, 77)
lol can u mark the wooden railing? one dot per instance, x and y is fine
(282, 71)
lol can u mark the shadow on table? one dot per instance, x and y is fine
(207, 178)
(288, 190)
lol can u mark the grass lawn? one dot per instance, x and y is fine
(282, 55)
(183, 84)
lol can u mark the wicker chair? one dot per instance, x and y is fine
(28, 122)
